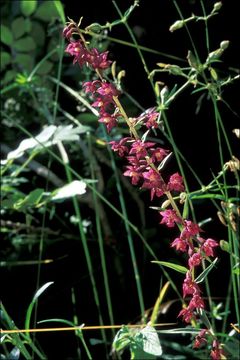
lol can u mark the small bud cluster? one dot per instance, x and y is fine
(144, 160)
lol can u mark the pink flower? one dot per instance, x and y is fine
(190, 229)
(196, 302)
(195, 260)
(217, 352)
(78, 50)
(68, 30)
(91, 86)
(187, 315)
(180, 244)
(200, 339)
(151, 118)
(119, 146)
(189, 286)
(139, 148)
(109, 120)
(176, 183)
(108, 90)
(133, 172)
(158, 154)
(98, 60)
(169, 218)
(154, 182)
(208, 246)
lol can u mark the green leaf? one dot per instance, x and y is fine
(60, 10)
(6, 35)
(176, 267)
(38, 33)
(25, 44)
(25, 61)
(9, 76)
(45, 68)
(5, 59)
(32, 199)
(28, 7)
(202, 276)
(27, 25)
(122, 339)
(33, 302)
(18, 27)
(236, 271)
(47, 11)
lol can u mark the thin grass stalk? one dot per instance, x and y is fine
(129, 234)
(100, 240)
(84, 242)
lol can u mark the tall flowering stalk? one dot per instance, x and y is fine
(144, 161)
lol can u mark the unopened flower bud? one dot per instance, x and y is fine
(95, 28)
(224, 44)
(177, 25)
(217, 6)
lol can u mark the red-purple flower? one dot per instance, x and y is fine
(170, 218)
(195, 260)
(78, 50)
(109, 120)
(91, 86)
(139, 148)
(134, 173)
(120, 147)
(180, 244)
(200, 339)
(217, 352)
(187, 315)
(208, 246)
(98, 60)
(108, 90)
(189, 286)
(154, 182)
(196, 302)
(190, 229)
(158, 154)
(175, 183)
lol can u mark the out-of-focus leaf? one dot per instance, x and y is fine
(32, 199)
(25, 44)
(6, 35)
(122, 339)
(14, 354)
(25, 61)
(76, 187)
(9, 76)
(18, 27)
(28, 7)
(47, 11)
(5, 59)
(45, 68)
(176, 267)
(60, 10)
(38, 33)
(27, 25)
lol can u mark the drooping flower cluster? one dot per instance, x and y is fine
(144, 159)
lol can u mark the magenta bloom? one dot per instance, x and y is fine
(216, 351)
(120, 147)
(91, 86)
(196, 302)
(195, 260)
(98, 60)
(158, 154)
(190, 229)
(187, 315)
(169, 218)
(108, 90)
(134, 173)
(151, 118)
(180, 244)
(176, 183)
(200, 339)
(68, 30)
(109, 120)
(154, 182)
(208, 246)
(139, 148)
(78, 50)
(189, 286)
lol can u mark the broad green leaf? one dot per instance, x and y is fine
(28, 25)
(45, 68)
(47, 11)
(122, 339)
(25, 61)
(25, 44)
(33, 302)
(76, 187)
(18, 27)
(205, 272)
(28, 7)
(176, 267)
(5, 59)
(9, 76)
(6, 35)
(38, 33)
(60, 10)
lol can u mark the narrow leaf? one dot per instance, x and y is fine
(176, 267)
(202, 276)
(60, 10)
